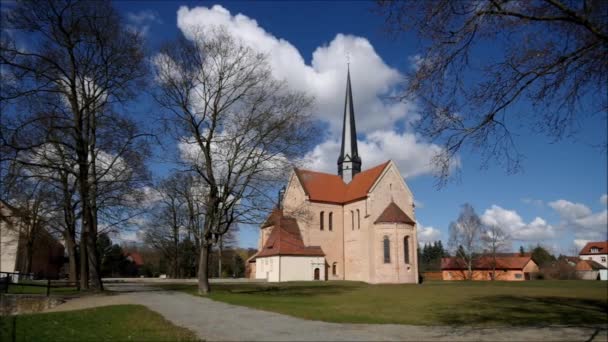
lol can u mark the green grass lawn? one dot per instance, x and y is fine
(108, 323)
(431, 303)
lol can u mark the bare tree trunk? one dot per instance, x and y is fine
(29, 256)
(203, 267)
(219, 258)
(494, 266)
(70, 245)
(84, 264)
(95, 268)
(69, 234)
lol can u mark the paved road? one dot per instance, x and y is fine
(216, 321)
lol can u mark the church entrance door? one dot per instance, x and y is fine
(317, 274)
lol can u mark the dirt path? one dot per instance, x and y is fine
(218, 321)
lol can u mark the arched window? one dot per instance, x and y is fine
(331, 221)
(321, 219)
(406, 249)
(334, 266)
(352, 216)
(358, 220)
(387, 250)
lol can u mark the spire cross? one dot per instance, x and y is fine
(348, 59)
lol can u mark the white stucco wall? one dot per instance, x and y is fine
(601, 259)
(9, 242)
(289, 268)
(295, 268)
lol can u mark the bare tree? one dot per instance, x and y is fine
(239, 128)
(168, 222)
(81, 63)
(32, 210)
(495, 240)
(465, 238)
(550, 53)
(225, 241)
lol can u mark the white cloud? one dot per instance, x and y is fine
(514, 225)
(534, 202)
(570, 211)
(580, 243)
(412, 156)
(427, 234)
(586, 224)
(142, 20)
(325, 79)
(604, 199)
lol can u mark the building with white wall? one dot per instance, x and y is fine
(596, 251)
(353, 225)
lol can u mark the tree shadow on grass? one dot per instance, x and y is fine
(289, 291)
(527, 311)
(266, 289)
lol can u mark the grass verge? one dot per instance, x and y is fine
(108, 323)
(432, 303)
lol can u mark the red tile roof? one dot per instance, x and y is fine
(602, 247)
(588, 265)
(394, 214)
(486, 262)
(330, 188)
(135, 258)
(272, 218)
(285, 239)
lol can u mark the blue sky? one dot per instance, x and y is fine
(554, 200)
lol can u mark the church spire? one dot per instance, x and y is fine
(349, 163)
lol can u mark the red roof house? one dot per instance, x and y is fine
(509, 268)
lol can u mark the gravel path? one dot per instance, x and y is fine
(216, 321)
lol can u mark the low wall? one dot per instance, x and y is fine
(432, 275)
(180, 281)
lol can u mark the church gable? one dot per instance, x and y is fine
(392, 197)
(391, 175)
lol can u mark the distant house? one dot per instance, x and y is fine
(596, 251)
(591, 270)
(507, 267)
(135, 258)
(39, 254)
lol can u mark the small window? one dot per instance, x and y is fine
(331, 221)
(518, 275)
(352, 216)
(387, 250)
(333, 268)
(321, 219)
(603, 259)
(406, 249)
(358, 220)
(594, 250)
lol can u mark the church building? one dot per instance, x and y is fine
(353, 225)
